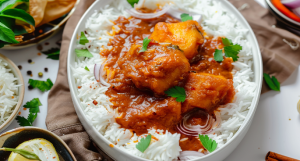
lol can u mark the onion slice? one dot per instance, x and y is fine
(99, 74)
(188, 155)
(292, 4)
(195, 130)
(297, 11)
(135, 13)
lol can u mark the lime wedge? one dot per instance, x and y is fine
(41, 147)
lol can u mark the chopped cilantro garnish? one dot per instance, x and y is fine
(41, 85)
(33, 106)
(231, 50)
(208, 144)
(177, 92)
(86, 68)
(272, 82)
(52, 53)
(218, 56)
(83, 53)
(146, 42)
(132, 2)
(144, 143)
(83, 40)
(185, 17)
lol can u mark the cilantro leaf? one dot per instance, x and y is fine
(230, 49)
(31, 117)
(41, 85)
(18, 14)
(218, 56)
(86, 68)
(132, 2)
(7, 34)
(208, 144)
(272, 82)
(23, 121)
(52, 53)
(144, 143)
(146, 42)
(83, 53)
(33, 105)
(227, 42)
(83, 40)
(185, 17)
(177, 92)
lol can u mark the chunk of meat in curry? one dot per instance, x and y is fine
(186, 35)
(159, 68)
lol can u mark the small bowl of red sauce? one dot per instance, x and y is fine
(287, 12)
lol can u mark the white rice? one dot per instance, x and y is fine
(8, 92)
(216, 21)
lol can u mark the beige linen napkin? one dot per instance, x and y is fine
(278, 58)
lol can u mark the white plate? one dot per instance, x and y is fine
(118, 154)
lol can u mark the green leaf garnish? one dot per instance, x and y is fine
(272, 82)
(24, 153)
(208, 144)
(7, 34)
(19, 30)
(33, 105)
(231, 50)
(144, 143)
(52, 53)
(83, 53)
(132, 2)
(146, 42)
(19, 15)
(218, 56)
(41, 85)
(177, 92)
(86, 68)
(185, 17)
(83, 40)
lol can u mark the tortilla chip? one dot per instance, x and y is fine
(36, 10)
(56, 9)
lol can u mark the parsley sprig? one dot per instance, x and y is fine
(146, 42)
(272, 82)
(208, 144)
(33, 106)
(144, 143)
(177, 92)
(185, 17)
(132, 2)
(230, 49)
(41, 85)
(52, 53)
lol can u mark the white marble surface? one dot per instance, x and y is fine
(276, 124)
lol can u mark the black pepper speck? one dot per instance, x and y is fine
(29, 72)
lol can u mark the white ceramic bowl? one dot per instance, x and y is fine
(120, 155)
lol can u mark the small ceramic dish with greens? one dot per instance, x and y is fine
(33, 144)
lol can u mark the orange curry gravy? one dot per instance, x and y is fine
(140, 109)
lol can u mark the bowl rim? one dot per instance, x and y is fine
(45, 36)
(247, 120)
(44, 130)
(21, 93)
(270, 4)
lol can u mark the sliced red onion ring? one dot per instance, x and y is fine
(194, 130)
(187, 155)
(99, 73)
(141, 15)
(297, 11)
(291, 3)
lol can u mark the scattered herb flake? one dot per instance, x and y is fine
(52, 53)
(132, 2)
(41, 85)
(86, 68)
(208, 144)
(83, 40)
(146, 42)
(218, 56)
(177, 92)
(185, 17)
(83, 53)
(272, 82)
(33, 106)
(144, 143)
